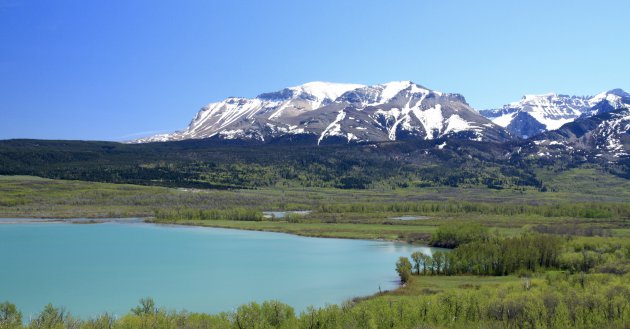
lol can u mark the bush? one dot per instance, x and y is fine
(271, 314)
(403, 267)
(10, 317)
(50, 318)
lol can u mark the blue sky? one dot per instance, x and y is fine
(121, 69)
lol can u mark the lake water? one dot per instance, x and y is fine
(282, 214)
(93, 268)
(411, 217)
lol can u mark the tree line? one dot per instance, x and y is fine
(565, 209)
(495, 256)
(478, 253)
(240, 214)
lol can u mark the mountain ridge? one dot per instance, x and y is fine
(356, 113)
(535, 114)
(319, 113)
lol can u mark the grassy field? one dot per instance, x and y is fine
(328, 230)
(429, 285)
(33, 196)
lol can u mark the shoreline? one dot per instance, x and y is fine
(284, 232)
(208, 223)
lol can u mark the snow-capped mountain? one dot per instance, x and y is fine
(232, 117)
(353, 113)
(602, 135)
(607, 101)
(534, 114)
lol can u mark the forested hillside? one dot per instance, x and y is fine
(212, 164)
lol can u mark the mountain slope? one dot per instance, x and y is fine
(605, 135)
(210, 163)
(328, 112)
(534, 114)
(228, 119)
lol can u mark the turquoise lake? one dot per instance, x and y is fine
(108, 267)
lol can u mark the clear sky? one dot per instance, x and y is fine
(121, 69)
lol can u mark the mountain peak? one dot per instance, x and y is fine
(534, 97)
(618, 92)
(616, 97)
(325, 90)
(401, 84)
(391, 89)
(614, 92)
(318, 91)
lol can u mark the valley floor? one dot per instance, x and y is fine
(590, 207)
(363, 214)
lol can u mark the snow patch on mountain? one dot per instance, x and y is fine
(612, 131)
(505, 119)
(431, 119)
(390, 90)
(456, 124)
(333, 129)
(323, 91)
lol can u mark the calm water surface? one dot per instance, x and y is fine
(93, 268)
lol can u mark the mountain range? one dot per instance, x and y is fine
(535, 114)
(606, 135)
(324, 112)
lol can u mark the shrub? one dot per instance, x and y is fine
(403, 267)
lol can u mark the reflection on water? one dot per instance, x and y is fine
(407, 249)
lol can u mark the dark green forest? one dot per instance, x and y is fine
(224, 165)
